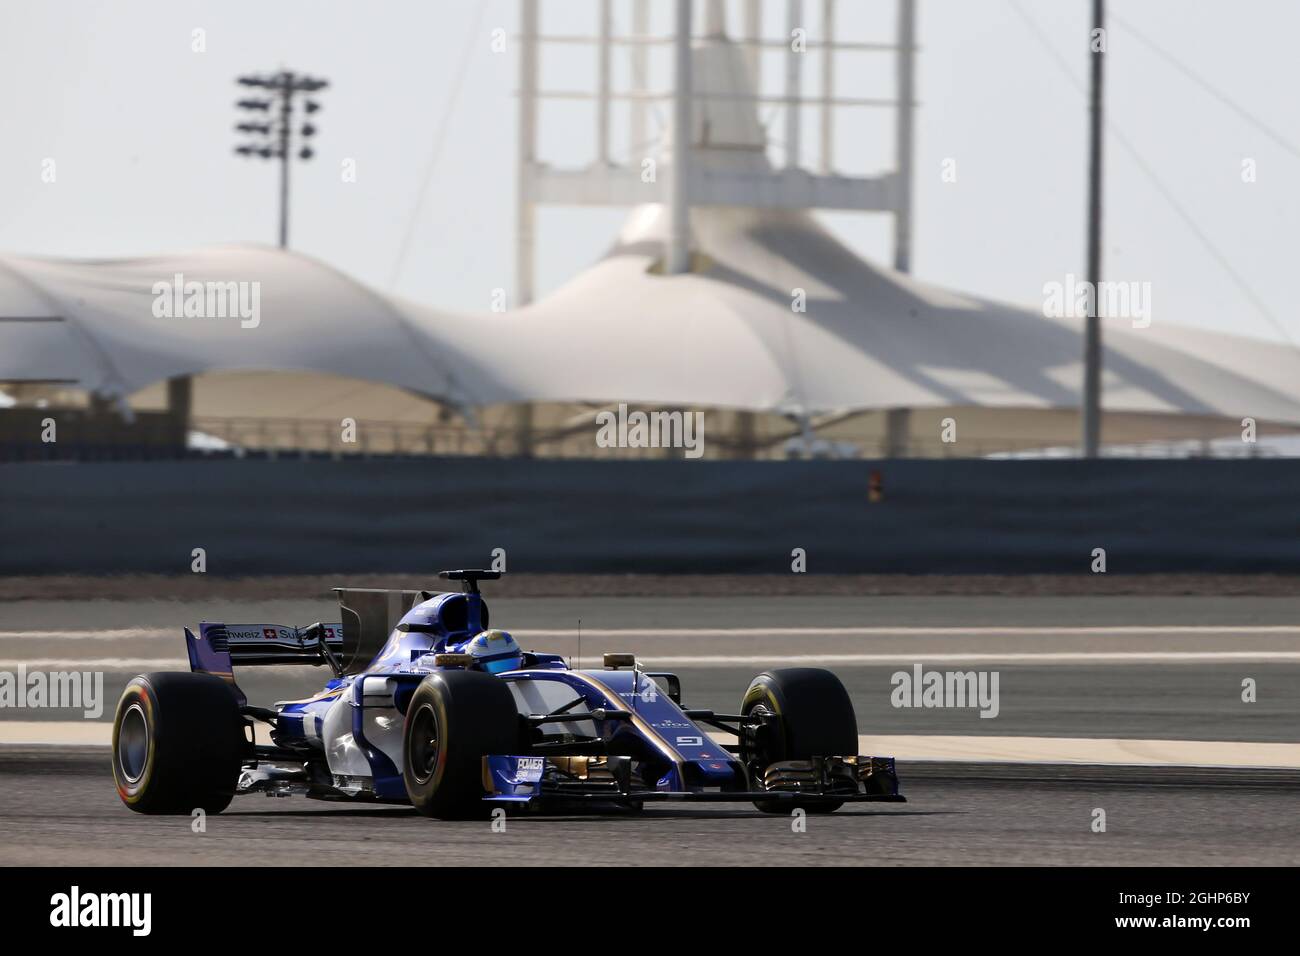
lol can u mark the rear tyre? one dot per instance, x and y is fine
(813, 717)
(454, 720)
(178, 743)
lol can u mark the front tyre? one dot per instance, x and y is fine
(808, 714)
(178, 743)
(454, 720)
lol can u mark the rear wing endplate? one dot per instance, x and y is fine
(369, 617)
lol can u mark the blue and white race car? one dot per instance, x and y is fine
(430, 706)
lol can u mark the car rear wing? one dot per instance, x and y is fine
(218, 647)
(273, 643)
(369, 616)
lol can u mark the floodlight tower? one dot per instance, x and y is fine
(278, 136)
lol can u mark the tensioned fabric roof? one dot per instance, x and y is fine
(724, 336)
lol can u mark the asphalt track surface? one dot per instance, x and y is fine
(1061, 661)
(58, 806)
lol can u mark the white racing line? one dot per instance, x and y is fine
(96, 634)
(1087, 750)
(1009, 657)
(135, 664)
(1092, 630)
(646, 638)
(907, 631)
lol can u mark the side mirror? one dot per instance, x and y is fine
(674, 684)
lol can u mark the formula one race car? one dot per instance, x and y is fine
(428, 706)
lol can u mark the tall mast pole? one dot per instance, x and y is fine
(903, 145)
(677, 259)
(1092, 328)
(286, 118)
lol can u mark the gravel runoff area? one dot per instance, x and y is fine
(130, 587)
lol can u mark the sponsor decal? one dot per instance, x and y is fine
(262, 633)
(529, 769)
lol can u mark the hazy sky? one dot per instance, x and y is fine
(141, 131)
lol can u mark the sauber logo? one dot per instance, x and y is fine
(253, 633)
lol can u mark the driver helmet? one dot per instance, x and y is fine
(494, 651)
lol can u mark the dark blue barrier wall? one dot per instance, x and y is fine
(968, 516)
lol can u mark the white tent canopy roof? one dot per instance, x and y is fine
(725, 336)
(94, 323)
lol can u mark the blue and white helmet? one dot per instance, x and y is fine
(494, 651)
